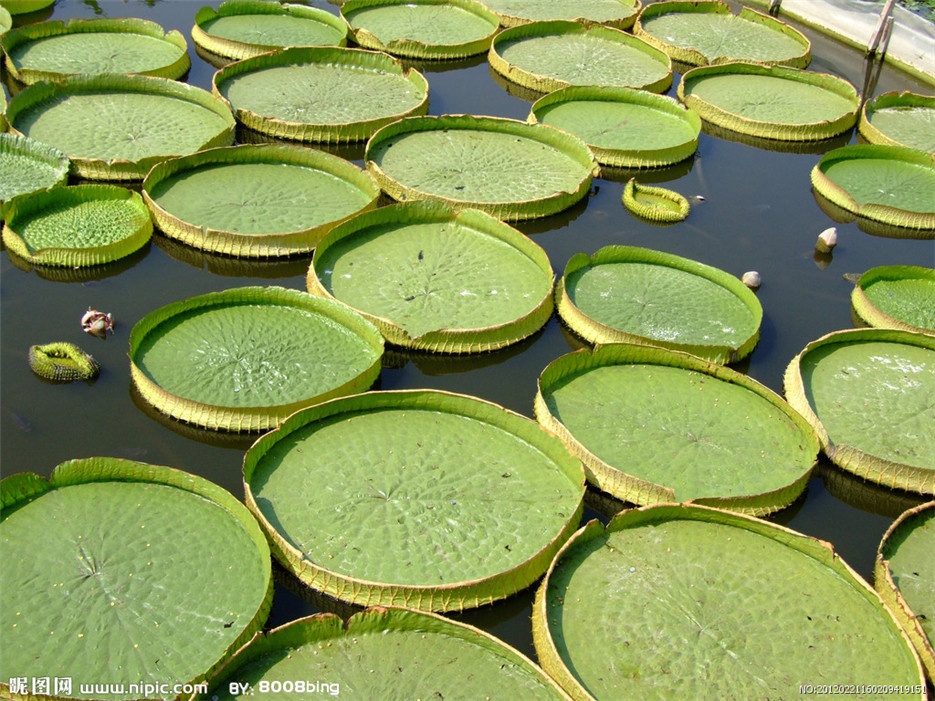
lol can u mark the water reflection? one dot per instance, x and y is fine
(227, 266)
(82, 274)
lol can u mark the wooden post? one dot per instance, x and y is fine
(881, 29)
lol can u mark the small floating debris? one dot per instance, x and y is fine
(97, 323)
(752, 279)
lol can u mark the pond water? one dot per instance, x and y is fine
(758, 213)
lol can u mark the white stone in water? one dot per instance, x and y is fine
(827, 240)
(751, 279)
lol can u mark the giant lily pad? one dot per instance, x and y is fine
(256, 201)
(27, 165)
(900, 119)
(904, 575)
(506, 168)
(546, 56)
(656, 204)
(77, 226)
(624, 294)
(623, 127)
(423, 499)
(244, 28)
(437, 280)
(771, 102)
(53, 50)
(22, 7)
(122, 574)
(688, 602)
(244, 359)
(383, 653)
(614, 13)
(893, 185)
(653, 426)
(702, 33)
(422, 29)
(117, 127)
(324, 94)
(897, 297)
(868, 394)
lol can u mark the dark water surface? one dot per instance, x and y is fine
(758, 213)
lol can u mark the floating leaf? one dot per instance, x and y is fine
(503, 167)
(652, 426)
(383, 653)
(897, 297)
(657, 204)
(624, 294)
(422, 29)
(256, 201)
(771, 102)
(322, 94)
(866, 392)
(615, 13)
(120, 574)
(546, 56)
(623, 127)
(679, 602)
(53, 50)
(423, 499)
(117, 127)
(27, 165)
(904, 576)
(434, 279)
(244, 28)
(892, 185)
(245, 358)
(77, 226)
(900, 119)
(702, 33)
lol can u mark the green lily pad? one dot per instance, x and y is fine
(656, 204)
(867, 393)
(614, 13)
(434, 279)
(120, 573)
(117, 127)
(22, 7)
(503, 167)
(688, 602)
(383, 653)
(55, 49)
(904, 576)
(245, 358)
(322, 94)
(703, 33)
(77, 226)
(624, 294)
(422, 29)
(27, 165)
(654, 426)
(900, 119)
(256, 201)
(6, 20)
(623, 127)
(422, 499)
(892, 185)
(771, 102)
(244, 28)
(897, 297)
(546, 56)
